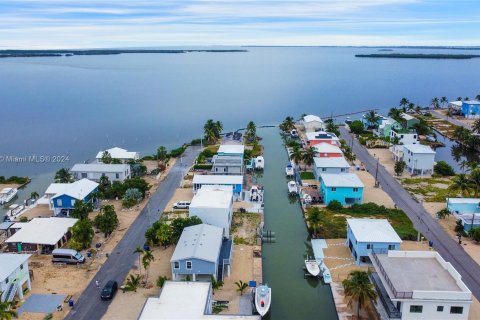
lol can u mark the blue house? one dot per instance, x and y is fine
(466, 210)
(235, 181)
(346, 188)
(365, 236)
(470, 109)
(201, 253)
(68, 193)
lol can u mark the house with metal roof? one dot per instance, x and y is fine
(233, 181)
(346, 188)
(227, 165)
(365, 236)
(471, 109)
(313, 123)
(330, 165)
(94, 171)
(327, 150)
(67, 193)
(119, 154)
(214, 205)
(408, 121)
(14, 276)
(314, 138)
(231, 150)
(419, 158)
(198, 254)
(467, 210)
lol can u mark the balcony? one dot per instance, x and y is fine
(392, 311)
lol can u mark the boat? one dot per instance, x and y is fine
(289, 170)
(259, 163)
(256, 194)
(7, 194)
(312, 267)
(294, 133)
(15, 211)
(263, 297)
(292, 187)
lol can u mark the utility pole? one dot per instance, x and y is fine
(376, 175)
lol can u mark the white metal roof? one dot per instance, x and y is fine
(47, 231)
(201, 241)
(100, 167)
(217, 179)
(9, 262)
(419, 148)
(119, 153)
(324, 147)
(321, 135)
(456, 103)
(212, 197)
(78, 189)
(463, 200)
(311, 118)
(334, 162)
(373, 230)
(471, 102)
(55, 188)
(341, 180)
(407, 116)
(231, 149)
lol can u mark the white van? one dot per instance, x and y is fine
(181, 205)
(69, 256)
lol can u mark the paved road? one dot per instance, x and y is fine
(89, 305)
(448, 248)
(451, 120)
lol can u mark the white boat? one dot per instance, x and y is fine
(7, 194)
(289, 170)
(15, 211)
(312, 267)
(294, 133)
(263, 297)
(256, 194)
(292, 187)
(259, 163)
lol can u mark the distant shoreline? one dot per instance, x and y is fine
(97, 52)
(418, 56)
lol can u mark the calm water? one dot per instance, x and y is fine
(78, 105)
(293, 296)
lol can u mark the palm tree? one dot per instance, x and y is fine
(162, 154)
(241, 286)
(418, 109)
(443, 100)
(297, 155)
(216, 284)
(461, 183)
(477, 97)
(314, 217)
(476, 126)
(435, 103)
(251, 131)
(308, 156)
(146, 260)
(372, 117)
(404, 102)
(34, 195)
(140, 252)
(459, 99)
(394, 113)
(472, 165)
(411, 106)
(212, 130)
(5, 312)
(463, 165)
(133, 282)
(359, 289)
(63, 176)
(475, 181)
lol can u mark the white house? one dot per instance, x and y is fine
(313, 123)
(420, 285)
(94, 171)
(330, 165)
(14, 275)
(214, 205)
(231, 150)
(419, 158)
(404, 136)
(119, 154)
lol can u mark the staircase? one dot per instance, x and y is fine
(220, 272)
(12, 290)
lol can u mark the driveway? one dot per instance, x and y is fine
(89, 306)
(448, 248)
(450, 119)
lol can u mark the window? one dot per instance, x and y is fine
(117, 175)
(59, 202)
(21, 267)
(6, 281)
(84, 174)
(439, 308)
(189, 265)
(391, 247)
(416, 309)
(324, 169)
(456, 310)
(342, 170)
(355, 189)
(72, 202)
(176, 265)
(369, 246)
(334, 189)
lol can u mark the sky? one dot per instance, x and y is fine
(39, 24)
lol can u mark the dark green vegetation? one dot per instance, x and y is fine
(161, 233)
(69, 53)
(332, 221)
(444, 169)
(13, 179)
(418, 56)
(307, 175)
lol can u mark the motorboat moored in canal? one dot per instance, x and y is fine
(289, 170)
(292, 188)
(15, 211)
(263, 297)
(7, 194)
(312, 267)
(259, 163)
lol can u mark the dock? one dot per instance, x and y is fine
(318, 245)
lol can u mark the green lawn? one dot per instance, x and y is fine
(307, 175)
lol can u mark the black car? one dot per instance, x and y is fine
(108, 292)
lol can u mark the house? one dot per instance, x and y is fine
(420, 285)
(231, 150)
(227, 165)
(330, 165)
(328, 150)
(171, 303)
(345, 188)
(367, 124)
(403, 136)
(408, 121)
(64, 201)
(467, 210)
(14, 276)
(385, 127)
(313, 123)
(214, 205)
(419, 158)
(471, 109)
(235, 181)
(119, 154)
(94, 171)
(199, 254)
(41, 235)
(314, 138)
(365, 236)
(455, 106)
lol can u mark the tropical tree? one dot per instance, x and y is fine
(63, 176)
(399, 167)
(309, 156)
(178, 224)
(162, 154)
(356, 126)
(287, 124)
(476, 126)
(210, 132)
(411, 106)
(106, 157)
(297, 155)
(106, 221)
(475, 181)
(435, 103)
(103, 183)
(418, 109)
(34, 195)
(161, 281)
(138, 250)
(81, 209)
(372, 117)
(314, 217)
(241, 286)
(477, 97)
(358, 289)
(444, 213)
(404, 102)
(216, 284)
(394, 113)
(330, 126)
(459, 99)
(472, 165)
(443, 100)
(443, 168)
(6, 312)
(164, 234)
(146, 261)
(251, 132)
(133, 282)
(461, 183)
(82, 232)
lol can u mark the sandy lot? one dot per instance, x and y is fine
(385, 159)
(11, 185)
(372, 194)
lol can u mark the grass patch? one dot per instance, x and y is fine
(307, 175)
(244, 227)
(428, 188)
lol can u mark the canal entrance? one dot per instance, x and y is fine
(293, 296)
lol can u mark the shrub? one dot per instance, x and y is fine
(335, 205)
(177, 152)
(196, 142)
(444, 169)
(203, 166)
(399, 167)
(475, 234)
(356, 127)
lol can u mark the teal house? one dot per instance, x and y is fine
(346, 188)
(471, 109)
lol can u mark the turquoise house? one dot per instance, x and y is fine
(367, 236)
(346, 188)
(471, 109)
(466, 210)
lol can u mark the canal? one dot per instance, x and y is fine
(293, 296)
(454, 153)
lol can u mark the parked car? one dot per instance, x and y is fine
(109, 290)
(181, 205)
